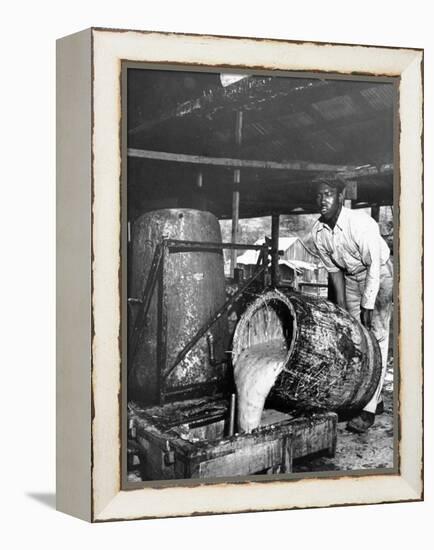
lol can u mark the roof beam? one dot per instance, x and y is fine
(296, 165)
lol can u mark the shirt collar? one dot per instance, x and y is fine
(340, 222)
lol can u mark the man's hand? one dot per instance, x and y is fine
(366, 317)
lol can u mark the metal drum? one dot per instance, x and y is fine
(329, 360)
(190, 289)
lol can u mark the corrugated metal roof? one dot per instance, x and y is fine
(379, 97)
(297, 120)
(338, 107)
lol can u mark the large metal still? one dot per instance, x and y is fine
(189, 290)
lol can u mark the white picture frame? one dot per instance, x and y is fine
(89, 169)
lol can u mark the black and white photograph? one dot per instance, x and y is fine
(259, 243)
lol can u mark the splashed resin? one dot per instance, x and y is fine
(255, 372)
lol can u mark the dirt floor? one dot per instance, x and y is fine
(374, 449)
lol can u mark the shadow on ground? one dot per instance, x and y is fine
(47, 499)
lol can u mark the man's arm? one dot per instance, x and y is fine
(336, 274)
(338, 282)
(369, 243)
(366, 317)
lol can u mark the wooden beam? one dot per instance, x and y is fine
(375, 212)
(235, 221)
(296, 165)
(275, 249)
(236, 192)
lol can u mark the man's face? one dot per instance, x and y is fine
(329, 201)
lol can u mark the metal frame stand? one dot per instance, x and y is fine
(170, 246)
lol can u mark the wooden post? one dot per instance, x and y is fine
(199, 199)
(236, 192)
(199, 179)
(162, 327)
(275, 249)
(286, 467)
(375, 212)
(235, 219)
(232, 416)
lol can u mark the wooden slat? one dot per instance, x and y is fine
(311, 437)
(244, 461)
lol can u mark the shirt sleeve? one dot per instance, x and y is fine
(369, 241)
(323, 254)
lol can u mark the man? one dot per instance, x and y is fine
(357, 259)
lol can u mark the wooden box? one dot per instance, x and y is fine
(188, 440)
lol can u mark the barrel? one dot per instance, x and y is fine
(190, 290)
(329, 360)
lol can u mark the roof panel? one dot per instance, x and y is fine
(338, 107)
(297, 120)
(379, 97)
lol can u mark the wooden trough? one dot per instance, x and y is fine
(188, 440)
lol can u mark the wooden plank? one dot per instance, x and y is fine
(155, 465)
(244, 461)
(296, 165)
(314, 436)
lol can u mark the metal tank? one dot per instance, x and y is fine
(190, 289)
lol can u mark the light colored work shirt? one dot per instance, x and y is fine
(353, 246)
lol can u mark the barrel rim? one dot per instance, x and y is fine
(268, 296)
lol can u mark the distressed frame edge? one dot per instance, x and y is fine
(73, 275)
(411, 487)
(113, 510)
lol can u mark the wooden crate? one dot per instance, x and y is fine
(188, 440)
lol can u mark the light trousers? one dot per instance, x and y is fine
(354, 288)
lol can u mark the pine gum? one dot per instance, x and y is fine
(255, 372)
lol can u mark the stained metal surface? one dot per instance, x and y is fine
(192, 291)
(336, 362)
(332, 363)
